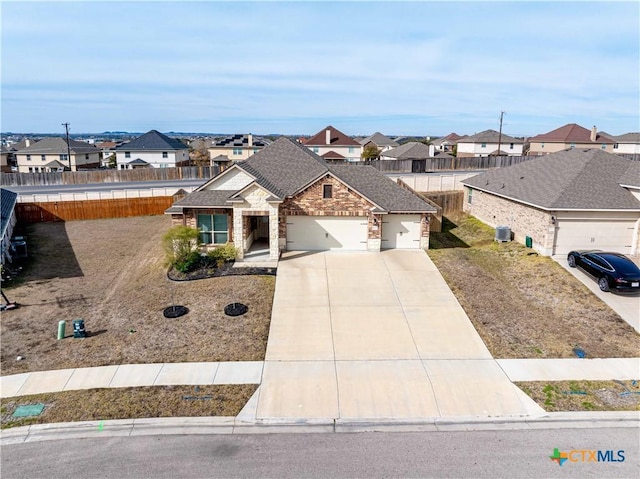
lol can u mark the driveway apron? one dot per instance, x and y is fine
(361, 335)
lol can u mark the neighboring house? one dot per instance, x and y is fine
(292, 198)
(380, 141)
(107, 149)
(232, 148)
(571, 200)
(7, 221)
(5, 167)
(332, 144)
(567, 137)
(53, 154)
(414, 150)
(446, 143)
(152, 150)
(489, 143)
(628, 144)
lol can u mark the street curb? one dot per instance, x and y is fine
(233, 425)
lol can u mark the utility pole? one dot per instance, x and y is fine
(66, 127)
(500, 132)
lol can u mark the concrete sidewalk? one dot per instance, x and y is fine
(131, 375)
(571, 369)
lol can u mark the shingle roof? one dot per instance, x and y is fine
(633, 137)
(570, 133)
(57, 146)
(380, 189)
(379, 139)
(631, 177)
(337, 138)
(138, 161)
(153, 140)
(489, 136)
(332, 155)
(7, 204)
(205, 198)
(580, 179)
(3, 149)
(413, 150)
(54, 164)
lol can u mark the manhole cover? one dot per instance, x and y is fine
(29, 410)
(235, 309)
(175, 311)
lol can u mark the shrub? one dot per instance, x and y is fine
(222, 253)
(186, 264)
(180, 245)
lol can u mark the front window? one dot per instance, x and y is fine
(572, 146)
(615, 146)
(469, 195)
(213, 229)
(86, 156)
(127, 154)
(64, 157)
(327, 191)
(604, 147)
(165, 154)
(28, 157)
(315, 149)
(351, 149)
(237, 151)
(43, 157)
(541, 145)
(511, 146)
(483, 145)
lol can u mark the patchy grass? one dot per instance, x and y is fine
(110, 273)
(524, 305)
(126, 403)
(584, 395)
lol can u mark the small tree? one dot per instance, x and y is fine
(111, 161)
(180, 244)
(370, 152)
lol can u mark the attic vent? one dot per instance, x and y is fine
(502, 185)
(522, 177)
(503, 234)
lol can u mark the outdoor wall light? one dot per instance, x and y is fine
(553, 220)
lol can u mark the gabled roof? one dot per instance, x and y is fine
(631, 177)
(153, 141)
(138, 161)
(241, 141)
(3, 150)
(379, 140)
(489, 136)
(55, 164)
(577, 179)
(337, 138)
(285, 168)
(633, 138)
(57, 146)
(413, 150)
(570, 133)
(332, 155)
(7, 204)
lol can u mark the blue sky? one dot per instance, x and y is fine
(414, 68)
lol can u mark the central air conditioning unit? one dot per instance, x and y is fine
(503, 234)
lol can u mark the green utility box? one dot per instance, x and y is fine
(528, 241)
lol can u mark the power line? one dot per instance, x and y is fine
(66, 127)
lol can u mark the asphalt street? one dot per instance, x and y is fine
(473, 454)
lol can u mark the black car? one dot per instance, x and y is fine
(612, 271)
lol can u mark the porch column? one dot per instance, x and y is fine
(274, 247)
(238, 234)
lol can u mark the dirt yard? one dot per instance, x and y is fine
(111, 274)
(524, 305)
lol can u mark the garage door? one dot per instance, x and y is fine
(401, 231)
(614, 236)
(310, 233)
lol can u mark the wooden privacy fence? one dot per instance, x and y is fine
(109, 176)
(426, 165)
(449, 201)
(92, 209)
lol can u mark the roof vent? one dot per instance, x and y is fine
(503, 234)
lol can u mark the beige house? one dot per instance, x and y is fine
(489, 143)
(230, 149)
(578, 199)
(54, 154)
(287, 198)
(567, 137)
(4, 160)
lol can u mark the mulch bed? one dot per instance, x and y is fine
(206, 270)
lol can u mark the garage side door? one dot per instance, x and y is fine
(401, 232)
(616, 236)
(313, 233)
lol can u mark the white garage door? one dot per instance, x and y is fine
(311, 233)
(614, 236)
(401, 231)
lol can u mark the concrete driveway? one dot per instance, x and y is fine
(627, 306)
(363, 335)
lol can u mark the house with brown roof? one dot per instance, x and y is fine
(286, 197)
(567, 137)
(576, 199)
(489, 143)
(54, 154)
(381, 142)
(446, 143)
(331, 144)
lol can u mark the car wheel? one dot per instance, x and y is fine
(604, 284)
(572, 261)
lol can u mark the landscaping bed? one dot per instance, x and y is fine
(522, 304)
(127, 403)
(584, 395)
(111, 273)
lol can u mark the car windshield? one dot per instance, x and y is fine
(623, 266)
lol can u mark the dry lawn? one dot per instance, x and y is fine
(584, 395)
(524, 305)
(125, 403)
(110, 273)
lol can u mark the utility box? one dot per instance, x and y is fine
(503, 234)
(528, 241)
(78, 329)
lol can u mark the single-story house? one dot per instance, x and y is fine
(8, 221)
(571, 200)
(294, 199)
